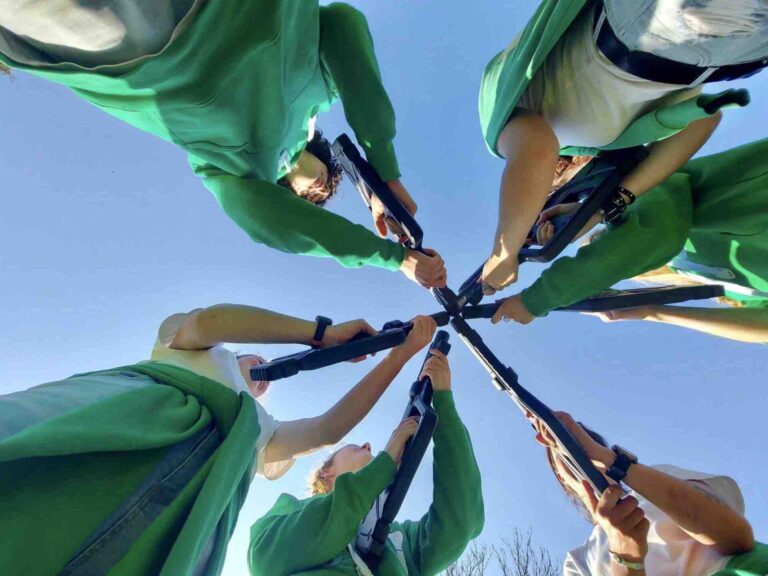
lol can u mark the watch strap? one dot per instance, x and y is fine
(322, 324)
(620, 466)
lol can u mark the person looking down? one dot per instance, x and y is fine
(238, 87)
(316, 535)
(670, 522)
(586, 76)
(142, 469)
(705, 224)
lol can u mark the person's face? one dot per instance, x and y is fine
(562, 471)
(257, 387)
(351, 458)
(309, 178)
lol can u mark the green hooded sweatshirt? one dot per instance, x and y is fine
(507, 75)
(236, 90)
(312, 536)
(74, 452)
(714, 210)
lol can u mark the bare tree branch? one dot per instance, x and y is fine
(515, 556)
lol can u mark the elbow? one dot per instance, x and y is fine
(529, 138)
(740, 539)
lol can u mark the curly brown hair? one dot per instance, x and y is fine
(321, 147)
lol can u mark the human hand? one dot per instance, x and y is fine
(426, 269)
(340, 333)
(622, 519)
(420, 335)
(381, 222)
(404, 431)
(546, 230)
(638, 313)
(498, 273)
(513, 308)
(601, 456)
(438, 370)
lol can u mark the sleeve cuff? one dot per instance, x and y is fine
(377, 474)
(535, 302)
(381, 155)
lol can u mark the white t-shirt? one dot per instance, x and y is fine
(73, 33)
(221, 365)
(587, 100)
(671, 551)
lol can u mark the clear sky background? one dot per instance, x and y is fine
(104, 231)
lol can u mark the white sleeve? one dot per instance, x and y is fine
(723, 487)
(571, 567)
(268, 425)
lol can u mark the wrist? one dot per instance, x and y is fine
(604, 458)
(321, 335)
(632, 560)
(399, 356)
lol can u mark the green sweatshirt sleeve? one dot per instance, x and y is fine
(653, 232)
(456, 515)
(298, 535)
(272, 215)
(346, 49)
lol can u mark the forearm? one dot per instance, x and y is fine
(668, 155)
(240, 324)
(298, 437)
(742, 324)
(355, 404)
(346, 48)
(653, 231)
(274, 216)
(702, 515)
(322, 527)
(456, 515)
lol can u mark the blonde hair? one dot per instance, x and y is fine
(321, 480)
(667, 276)
(4, 69)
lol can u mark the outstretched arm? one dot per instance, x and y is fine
(207, 327)
(653, 232)
(531, 150)
(272, 215)
(742, 324)
(668, 155)
(690, 503)
(456, 514)
(346, 49)
(297, 536)
(297, 437)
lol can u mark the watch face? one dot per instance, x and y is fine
(619, 450)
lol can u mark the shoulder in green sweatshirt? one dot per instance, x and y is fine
(507, 75)
(73, 453)
(236, 90)
(311, 536)
(715, 210)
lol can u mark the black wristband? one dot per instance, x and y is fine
(620, 467)
(613, 208)
(322, 323)
(630, 198)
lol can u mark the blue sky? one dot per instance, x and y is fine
(105, 231)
